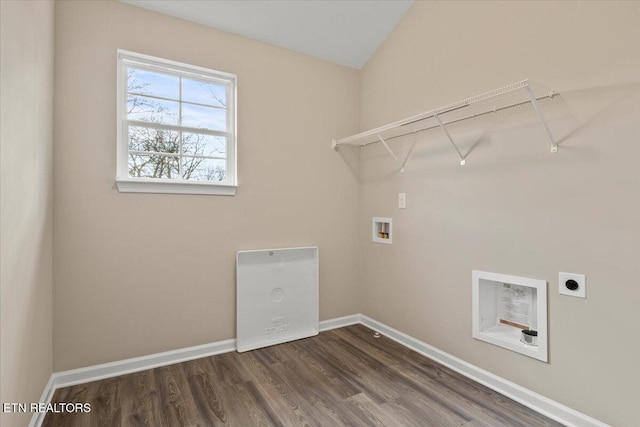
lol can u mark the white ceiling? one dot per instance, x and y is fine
(346, 32)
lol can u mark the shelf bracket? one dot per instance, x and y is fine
(444, 128)
(536, 106)
(392, 153)
(413, 144)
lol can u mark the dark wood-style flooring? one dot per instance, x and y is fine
(343, 377)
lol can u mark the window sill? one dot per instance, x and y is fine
(168, 187)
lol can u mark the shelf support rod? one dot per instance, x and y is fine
(413, 144)
(392, 153)
(444, 128)
(536, 106)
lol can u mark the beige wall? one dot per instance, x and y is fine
(137, 273)
(140, 273)
(25, 203)
(514, 208)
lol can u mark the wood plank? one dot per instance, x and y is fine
(342, 377)
(375, 413)
(176, 403)
(143, 407)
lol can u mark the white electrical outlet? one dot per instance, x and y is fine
(571, 284)
(402, 200)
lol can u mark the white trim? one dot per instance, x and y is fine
(128, 184)
(163, 65)
(38, 417)
(136, 364)
(176, 128)
(545, 406)
(147, 186)
(127, 366)
(340, 322)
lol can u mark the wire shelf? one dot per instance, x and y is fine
(526, 93)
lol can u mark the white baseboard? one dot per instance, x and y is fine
(535, 401)
(340, 322)
(127, 366)
(550, 408)
(47, 395)
(136, 364)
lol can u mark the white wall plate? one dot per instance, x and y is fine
(565, 288)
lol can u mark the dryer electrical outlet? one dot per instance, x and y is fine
(571, 284)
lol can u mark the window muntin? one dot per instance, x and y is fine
(177, 123)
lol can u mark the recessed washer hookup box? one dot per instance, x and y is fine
(277, 296)
(510, 312)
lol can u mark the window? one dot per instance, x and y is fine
(176, 127)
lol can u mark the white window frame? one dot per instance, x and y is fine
(129, 184)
